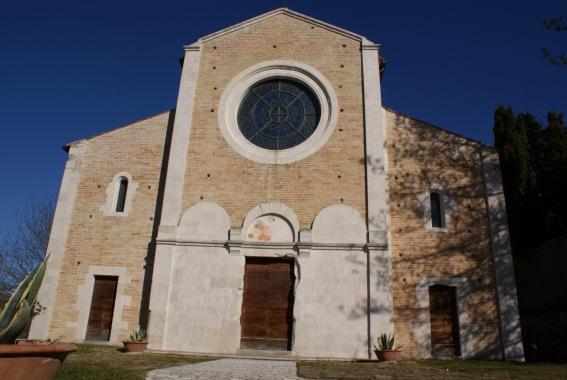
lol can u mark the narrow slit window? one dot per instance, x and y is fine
(121, 199)
(436, 216)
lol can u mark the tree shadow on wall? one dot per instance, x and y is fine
(421, 155)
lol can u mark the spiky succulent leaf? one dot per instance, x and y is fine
(139, 336)
(17, 325)
(34, 286)
(386, 342)
(391, 343)
(17, 297)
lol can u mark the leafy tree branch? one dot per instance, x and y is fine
(558, 24)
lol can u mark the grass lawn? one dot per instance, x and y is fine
(92, 362)
(430, 369)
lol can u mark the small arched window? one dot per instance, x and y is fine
(121, 198)
(436, 212)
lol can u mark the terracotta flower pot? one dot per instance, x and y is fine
(388, 355)
(135, 346)
(32, 361)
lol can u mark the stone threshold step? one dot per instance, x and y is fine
(244, 352)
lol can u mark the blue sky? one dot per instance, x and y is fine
(71, 69)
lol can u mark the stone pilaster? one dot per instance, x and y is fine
(379, 260)
(510, 329)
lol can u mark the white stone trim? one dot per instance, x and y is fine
(180, 138)
(159, 298)
(112, 190)
(84, 299)
(448, 207)
(379, 287)
(293, 70)
(58, 240)
(508, 310)
(422, 330)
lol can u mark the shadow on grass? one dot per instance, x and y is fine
(430, 369)
(111, 362)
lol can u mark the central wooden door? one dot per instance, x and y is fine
(444, 321)
(102, 308)
(267, 306)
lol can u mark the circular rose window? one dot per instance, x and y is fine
(278, 114)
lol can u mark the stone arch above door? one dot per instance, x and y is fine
(204, 221)
(339, 223)
(271, 222)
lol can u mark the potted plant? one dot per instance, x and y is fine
(385, 350)
(27, 361)
(137, 342)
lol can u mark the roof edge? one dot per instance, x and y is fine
(483, 144)
(66, 147)
(277, 12)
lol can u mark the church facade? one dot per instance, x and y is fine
(281, 207)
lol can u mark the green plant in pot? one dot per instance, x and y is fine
(37, 361)
(137, 341)
(385, 350)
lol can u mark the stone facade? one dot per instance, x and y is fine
(350, 206)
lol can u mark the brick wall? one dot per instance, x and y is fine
(307, 186)
(118, 241)
(420, 155)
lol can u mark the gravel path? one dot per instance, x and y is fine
(229, 369)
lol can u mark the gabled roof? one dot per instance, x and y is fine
(440, 129)
(287, 12)
(66, 147)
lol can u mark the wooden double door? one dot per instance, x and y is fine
(267, 306)
(444, 321)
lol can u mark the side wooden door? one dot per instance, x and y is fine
(267, 306)
(444, 321)
(102, 308)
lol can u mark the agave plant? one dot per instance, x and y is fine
(386, 342)
(139, 335)
(18, 311)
